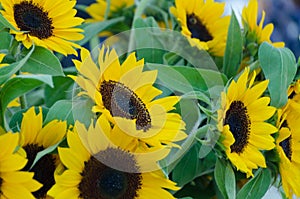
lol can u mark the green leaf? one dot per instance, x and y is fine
(62, 90)
(92, 29)
(230, 184)
(151, 49)
(61, 110)
(234, 48)
(219, 175)
(257, 186)
(20, 85)
(187, 165)
(185, 79)
(42, 61)
(82, 110)
(5, 38)
(7, 71)
(42, 153)
(279, 66)
(5, 23)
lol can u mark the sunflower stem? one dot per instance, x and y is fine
(138, 13)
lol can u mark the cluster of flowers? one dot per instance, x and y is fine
(135, 125)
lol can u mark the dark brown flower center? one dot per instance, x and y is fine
(239, 125)
(112, 173)
(43, 169)
(197, 28)
(123, 102)
(32, 18)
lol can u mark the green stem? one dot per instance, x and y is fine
(138, 13)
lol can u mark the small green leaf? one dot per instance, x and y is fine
(42, 61)
(257, 186)
(234, 48)
(219, 175)
(61, 110)
(230, 184)
(42, 153)
(279, 66)
(92, 29)
(7, 71)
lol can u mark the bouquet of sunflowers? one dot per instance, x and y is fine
(145, 99)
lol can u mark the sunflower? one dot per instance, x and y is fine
(202, 23)
(44, 23)
(125, 95)
(241, 121)
(257, 33)
(97, 10)
(98, 169)
(288, 148)
(13, 182)
(35, 138)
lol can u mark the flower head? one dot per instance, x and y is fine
(288, 148)
(96, 168)
(35, 138)
(44, 23)
(125, 95)
(257, 33)
(242, 123)
(202, 23)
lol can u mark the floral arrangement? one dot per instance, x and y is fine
(145, 99)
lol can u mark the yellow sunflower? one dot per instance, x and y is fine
(13, 182)
(35, 138)
(97, 10)
(241, 121)
(98, 169)
(125, 95)
(258, 33)
(288, 147)
(44, 23)
(202, 23)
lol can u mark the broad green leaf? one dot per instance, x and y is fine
(5, 39)
(42, 61)
(20, 85)
(187, 165)
(279, 66)
(92, 29)
(62, 90)
(234, 48)
(61, 110)
(185, 79)
(257, 186)
(230, 184)
(219, 175)
(150, 49)
(7, 71)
